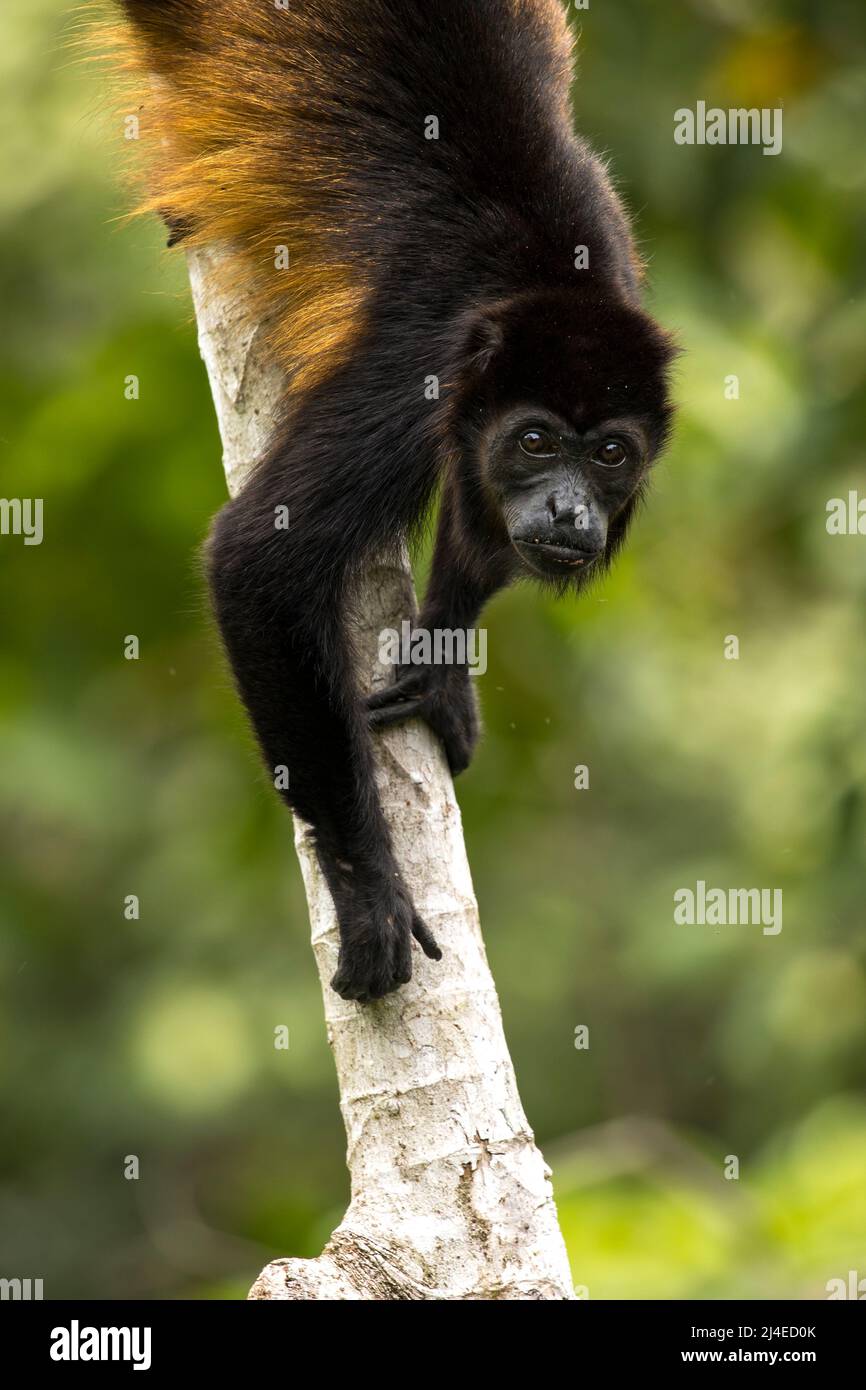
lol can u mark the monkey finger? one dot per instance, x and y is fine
(406, 685)
(380, 718)
(425, 938)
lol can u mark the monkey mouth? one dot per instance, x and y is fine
(548, 556)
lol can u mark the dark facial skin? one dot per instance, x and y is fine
(559, 488)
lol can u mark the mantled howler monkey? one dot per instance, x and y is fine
(406, 199)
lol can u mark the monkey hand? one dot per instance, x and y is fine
(443, 696)
(377, 924)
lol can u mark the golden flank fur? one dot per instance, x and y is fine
(214, 137)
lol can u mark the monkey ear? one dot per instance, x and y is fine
(483, 337)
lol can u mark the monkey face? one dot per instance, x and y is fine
(563, 493)
(569, 407)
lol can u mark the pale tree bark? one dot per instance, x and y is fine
(451, 1199)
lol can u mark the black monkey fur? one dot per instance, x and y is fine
(414, 257)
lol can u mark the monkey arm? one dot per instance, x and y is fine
(279, 598)
(464, 575)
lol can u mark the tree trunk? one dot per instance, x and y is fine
(451, 1199)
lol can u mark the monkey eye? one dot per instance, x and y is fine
(539, 444)
(611, 454)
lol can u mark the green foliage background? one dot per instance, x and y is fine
(155, 1037)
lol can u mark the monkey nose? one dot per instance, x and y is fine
(568, 511)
